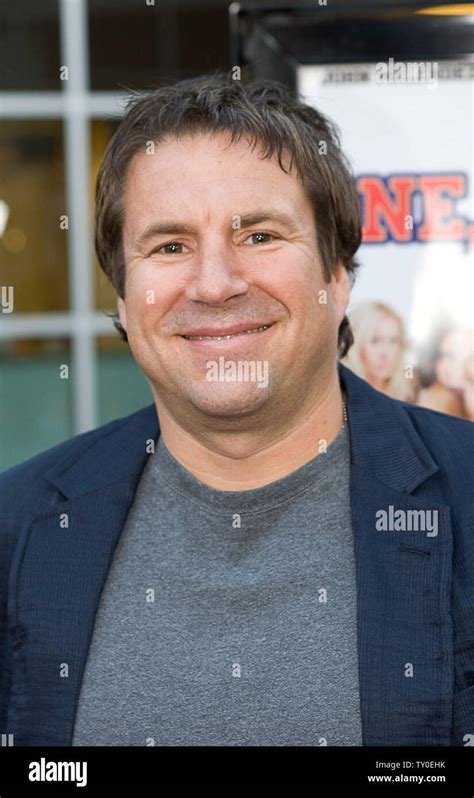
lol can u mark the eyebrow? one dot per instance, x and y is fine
(246, 220)
(250, 219)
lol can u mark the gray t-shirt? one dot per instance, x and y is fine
(228, 618)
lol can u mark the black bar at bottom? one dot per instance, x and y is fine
(230, 771)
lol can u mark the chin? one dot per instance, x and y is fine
(225, 403)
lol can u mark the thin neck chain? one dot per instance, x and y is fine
(344, 414)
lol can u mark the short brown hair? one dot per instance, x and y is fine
(269, 115)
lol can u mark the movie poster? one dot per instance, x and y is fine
(407, 128)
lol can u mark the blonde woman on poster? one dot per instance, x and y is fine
(446, 371)
(377, 354)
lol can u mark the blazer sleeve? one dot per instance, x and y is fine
(463, 617)
(7, 546)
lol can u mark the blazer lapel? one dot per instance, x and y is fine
(59, 569)
(403, 577)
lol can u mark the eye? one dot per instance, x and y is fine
(261, 236)
(171, 247)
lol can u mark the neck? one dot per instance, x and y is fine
(235, 460)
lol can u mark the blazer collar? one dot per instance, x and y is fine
(114, 456)
(384, 440)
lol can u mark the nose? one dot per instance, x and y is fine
(217, 276)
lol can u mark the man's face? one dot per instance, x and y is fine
(219, 241)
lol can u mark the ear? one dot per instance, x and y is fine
(122, 311)
(340, 289)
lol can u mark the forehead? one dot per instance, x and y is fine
(208, 168)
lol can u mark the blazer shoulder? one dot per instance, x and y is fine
(449, 439)
(23, 486)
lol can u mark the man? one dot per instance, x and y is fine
(273, 553)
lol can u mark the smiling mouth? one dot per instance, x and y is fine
(225, 337)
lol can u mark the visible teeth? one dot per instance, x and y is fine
(223, 337)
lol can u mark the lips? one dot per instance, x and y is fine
(224, 334)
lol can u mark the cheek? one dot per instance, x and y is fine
(294, 272)
(141, 309)
(149, 296)
(309, 298)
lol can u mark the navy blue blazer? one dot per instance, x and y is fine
(415, 592)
